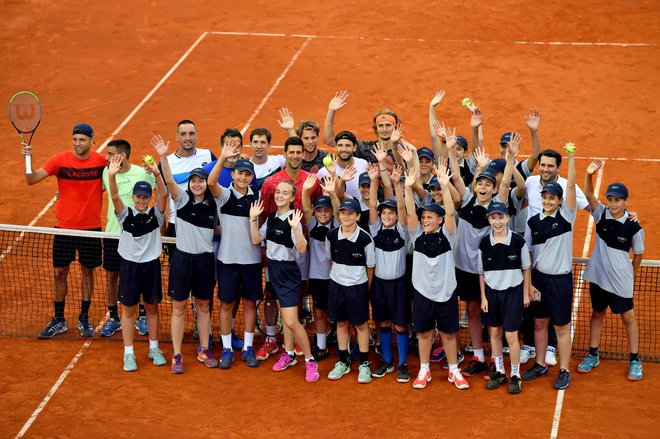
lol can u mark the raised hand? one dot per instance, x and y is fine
(231, 148)
(332, 167)
(338, 101)
(294, 218)
(405, 153)
(26, 149)
(397, 133)
(397, 172)
(533, 119)
(310, 182)
(439, 128)
(328, 184)
(443, 176)
(481, 157)
(256, 209)
(115, 164)
(439, 95)
(411, 177)
(373, 171)
(595, 166)
(477, 118)
(348, 174)
(158, 143)
(450, 138)
(442, 163)
(514, 145)
(150, 168)
(379, 151)
(286, 119)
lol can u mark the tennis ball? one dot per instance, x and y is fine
(149, 160)
(570, 147)
(467, 102)
(327, 160)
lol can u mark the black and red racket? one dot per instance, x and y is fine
(25, 114)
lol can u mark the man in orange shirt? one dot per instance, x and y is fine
(78, 174)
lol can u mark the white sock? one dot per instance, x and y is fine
(453, 367)
(270, 333)
(248, 338)
(226, 341)
(320, 340)
(479, 353)
(307, 360)
(128, 350)
(306, 303)
(515, 370)
(499, 364)
(425, 366)
(153, 344)
(291, 353)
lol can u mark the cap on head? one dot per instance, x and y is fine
(433, 182)
(431, 207)
(553, 188)
(244, 165)
(462, 142)
(347, 135)
(351, 205)
(390, 202)
(487, 175)
(497, 207)
(425, 152)
(83, 128)
(506, 138)
(142, 188)
(323, 202)
(618, 190)
(200, 172)
(364, 179)
(496, 166)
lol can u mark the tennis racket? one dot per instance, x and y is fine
(25, 114)
(268, 313)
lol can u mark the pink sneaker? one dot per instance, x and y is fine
(285, 361)
(312, 371)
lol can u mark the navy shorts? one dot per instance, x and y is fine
(319, 290)
(390, 301)
(239, 280)
(428, 315)
(191, 274)
(505, 308)
(467, 286)
(140, 279)
(556, 297)
(348, 303)
(65, 246)
(111, 258)
(601, 299)
(285, 282)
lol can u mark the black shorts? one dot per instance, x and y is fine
(467, 286)
(348, 303)
(428, 315)
(505, 308)
(140, 279)
(285, 282)
(111, 258)
(65, 246)
(601, 299)
(319, 290)
(191, 274)
(390, 301)
(239, 280)
(556, 297)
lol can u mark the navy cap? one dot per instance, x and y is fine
(364, 179)
(433, 182)
(506, 138)
(553, 188)
(488, 175)
(142, 188)
(390, 202)
(462, 142)
(618, 190)
(83, 128)
(244, 165)
(352, 205)
(431, 207)
(496, 166)
(497, 207)
(425, 152)
(323, 201)
(200, 172)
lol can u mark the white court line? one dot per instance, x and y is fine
(275, 85)
(576, 302)
(86, 345)
(436, 40)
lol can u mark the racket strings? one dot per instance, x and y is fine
(25, 112)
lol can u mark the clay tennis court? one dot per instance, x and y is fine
(133, 69)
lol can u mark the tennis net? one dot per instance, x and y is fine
(27, 294)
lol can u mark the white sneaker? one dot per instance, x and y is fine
(551, 356)
(526, 353)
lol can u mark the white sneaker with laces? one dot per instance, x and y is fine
(526, 353)
(551, 356)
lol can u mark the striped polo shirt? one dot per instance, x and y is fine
(550, 238)
(391, 250)
(502, 263)
(610, 267)
(139, 239)
(433, 274)
(280, 239)
(319, 262)
(194, 224)
(234, 211)
(181, 167)
(350, 255)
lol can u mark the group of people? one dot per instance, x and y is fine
(379, 229)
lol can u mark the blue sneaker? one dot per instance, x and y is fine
(236, 342)
(53, 328)
(589, 362)
(130, 365)
(437, 355)
(635, 370)
(111, 327)
(141, 325)
(226, 359)
(84, 327)
(248, 356)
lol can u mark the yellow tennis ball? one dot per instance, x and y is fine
(467, 102)
(570, 148)
(327, 160)
(149, 160)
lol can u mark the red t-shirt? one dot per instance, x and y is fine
(268, 190)
(81, 191)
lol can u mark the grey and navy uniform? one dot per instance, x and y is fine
(140, 240)
(350, 255)
(195, 223)
(234, 211)
(390, 249)
(502, 262)
(319, 261)
(280, 237)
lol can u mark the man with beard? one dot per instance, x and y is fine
(308, 131)
(346, 145)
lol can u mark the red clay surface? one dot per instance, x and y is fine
(95, 62)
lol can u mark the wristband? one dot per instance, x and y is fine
(254, 220)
